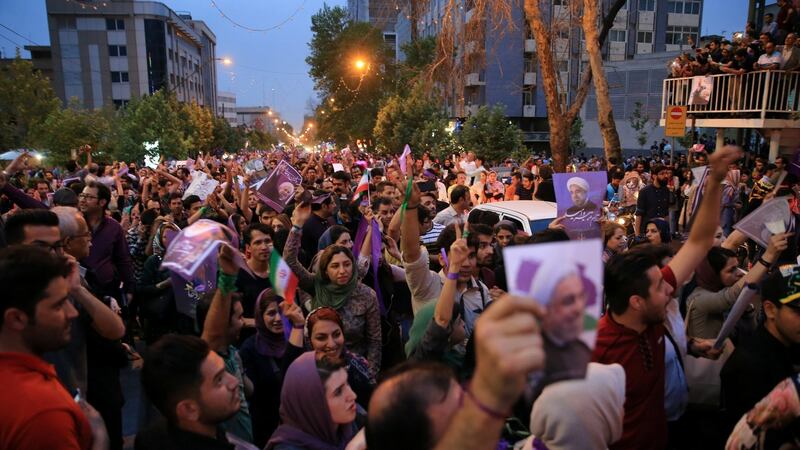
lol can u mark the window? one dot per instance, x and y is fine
(119, 77)
(527, 98)
(647, 5)
(559, 2)
(117, 50)
(115, 24)
(678, 35)
(618, 35)
(562, 66)
(644, 37)
(683, 7)
(562, 34)
(120, 103)
(529, 65)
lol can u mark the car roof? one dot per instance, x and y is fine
(532, 209)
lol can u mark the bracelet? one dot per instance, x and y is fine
(487, 410)
(298, 327)
(764, 262)
(296, 228)
(452, 276)
(226, 283)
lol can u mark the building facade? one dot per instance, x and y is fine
(261, 118)
(381, 14)
(107, 53)
(501, 66)
(226, 107)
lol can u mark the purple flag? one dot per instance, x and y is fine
(402, 159)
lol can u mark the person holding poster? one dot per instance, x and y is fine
(279, 187)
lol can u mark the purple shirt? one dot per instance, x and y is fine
(21, 199)
(109, 257)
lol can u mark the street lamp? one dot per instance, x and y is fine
(360, 64)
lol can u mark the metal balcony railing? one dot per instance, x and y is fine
(762, 94)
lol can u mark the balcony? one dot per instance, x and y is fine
(474, 79)
(529, 111)
(763, 99)
(529, 79)
(530, 46)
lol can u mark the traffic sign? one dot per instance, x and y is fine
(676, 121)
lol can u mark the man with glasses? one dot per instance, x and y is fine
(109, 257)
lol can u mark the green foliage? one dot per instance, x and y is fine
(225, 136)
(65, 130)
(158, 117)
(349, 96)
(640, 122)
(419, 54)
(416, 120)
(489, 134)
(26, 99)
(576, 142)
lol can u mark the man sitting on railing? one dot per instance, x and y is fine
(771, 59)
(791, 53)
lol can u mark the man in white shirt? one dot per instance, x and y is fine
(790, 53)
(771, 59)
(459, 204)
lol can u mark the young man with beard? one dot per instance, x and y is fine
(190, 386)
(632, 332)
(653, 201)
(35, 318)
(484, 270)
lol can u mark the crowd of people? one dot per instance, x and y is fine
(401, 333)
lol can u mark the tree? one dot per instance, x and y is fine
(158, 117)
(65, 130)
(199, 127)
(225, 136)
(605, 115)
(350, 93)
(640, 122)
(576, 142)
(416, 120)
(26, 99)
(561, 116)
(489, 134)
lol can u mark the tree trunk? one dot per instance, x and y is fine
(605, 116)
(559, 135)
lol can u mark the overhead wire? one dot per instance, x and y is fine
(23, 37)
(257, 30)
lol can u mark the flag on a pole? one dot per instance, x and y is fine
(402, 159)
(363, 185)
(283, 280)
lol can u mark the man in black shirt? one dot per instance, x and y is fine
(258, 246)
(322, 208)
(525, 189)
(742, 63)
(765, 359)
(653, 199)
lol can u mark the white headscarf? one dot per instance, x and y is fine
(582, 414)
(578, 181)
(547, 278)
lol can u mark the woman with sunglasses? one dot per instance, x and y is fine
(326, 338)
(266, 357)
(336, 284)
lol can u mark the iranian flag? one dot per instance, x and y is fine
(283, 280)
(363, 185)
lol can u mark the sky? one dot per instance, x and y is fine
(269, 67)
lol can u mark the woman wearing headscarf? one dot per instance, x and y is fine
(719, 282)
(336, 284)
(657, 232)
(266, 357)
(580, 414)
(325, 336)
(318, 408)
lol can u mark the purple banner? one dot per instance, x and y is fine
(579, 197)
(195, 245)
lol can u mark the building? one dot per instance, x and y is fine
(109, 52)
(501, 67)
(261, 118)
(381, 14)
(633, 83)
(40, 58)
(226, 107)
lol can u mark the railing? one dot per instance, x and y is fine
(755, 95)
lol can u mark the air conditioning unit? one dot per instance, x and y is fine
(530, 79)
(474, 79)
(529, 111)
(530, 46)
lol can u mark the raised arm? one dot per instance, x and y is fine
(459, 251)
(701, 238)
(215, 327)
(409, 229)
(290, 251)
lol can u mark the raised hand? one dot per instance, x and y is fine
(720, 160)
(293, 312)
(459, 252)
(301, 214)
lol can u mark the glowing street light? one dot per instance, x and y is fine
(360, 64)
(226, 61)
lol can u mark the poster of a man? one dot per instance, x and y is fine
(578, 197)
(279, 187)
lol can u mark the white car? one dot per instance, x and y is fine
(529, 216)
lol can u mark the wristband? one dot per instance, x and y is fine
(452, 276)
(296, 228)
(764, 262)
(486, 410)
(298, 327)
(226, 283)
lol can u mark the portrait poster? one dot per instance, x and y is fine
(566, 279)
(773, 217)
(195, 245)
(202, 186)
(579, 197)
(279, 187)
(702, 87)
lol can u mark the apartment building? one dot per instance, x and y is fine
(226, 107)
(508, 72)
(109, 52)
(381, 14)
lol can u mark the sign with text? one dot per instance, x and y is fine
(579, 197)
(676, 121)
